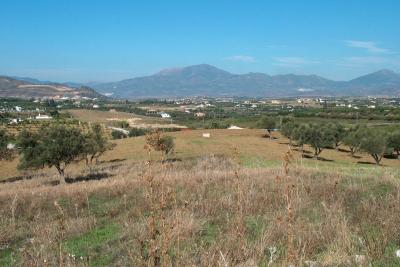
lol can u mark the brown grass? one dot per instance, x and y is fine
(208, 211)
(255, 151)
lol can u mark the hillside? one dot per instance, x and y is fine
(206, 80)
(31, 88)
(203, 211)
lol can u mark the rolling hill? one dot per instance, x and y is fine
(206, 80)
(32, 88)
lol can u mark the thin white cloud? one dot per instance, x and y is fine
(369, 46)
(241, 58)
(293, 61)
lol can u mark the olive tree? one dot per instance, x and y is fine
(267, 123)
(353, 138)
(374, 143)
(338, 132)
(288, 130)
(319, 136)
(300, 136)
(393, 142)
(55, 145)
(96, 143)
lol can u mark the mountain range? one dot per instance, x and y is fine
(207, 80)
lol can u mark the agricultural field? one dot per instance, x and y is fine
(230, 197)
(254, 148)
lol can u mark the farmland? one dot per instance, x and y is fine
(223, 197)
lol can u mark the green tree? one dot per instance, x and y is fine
(374, 142)
(300, 136)
(267, 123)
(319, 136)
(288, 129)
(393, 142)
(353, 139)
(5, 152)
(96, 143)
(339, 132)
(55, 145)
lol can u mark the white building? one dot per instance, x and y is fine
(165, 115)
(42, 117)
(18, 109)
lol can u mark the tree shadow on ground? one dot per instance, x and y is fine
(304, 151)
(112, 160)
(88, 177)
(368, 163)
(317, 158)
(20, 178)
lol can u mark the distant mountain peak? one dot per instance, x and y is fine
(385, 72)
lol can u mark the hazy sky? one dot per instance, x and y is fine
(84, 40)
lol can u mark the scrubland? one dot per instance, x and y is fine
(203, 211)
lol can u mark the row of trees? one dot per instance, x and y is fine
(59, 145)
(319, 136)
(55, 146)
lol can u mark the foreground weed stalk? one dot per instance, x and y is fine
(288, 194)
(60, 232)
(240, 220)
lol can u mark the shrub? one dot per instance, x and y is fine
(117, 135)
(157, 142)
(137, 132)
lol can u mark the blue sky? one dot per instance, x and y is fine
(87, 40)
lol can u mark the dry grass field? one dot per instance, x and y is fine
(234, 199)
(108, 117)
(207, 211)
(255, 150)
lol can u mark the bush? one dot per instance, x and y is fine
(137, 132)
(157, 142)
(117, 135)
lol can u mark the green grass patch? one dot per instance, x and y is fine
(7, 257)
(209, 233)
(92, 245)
(257, 162)
(101, 205)
(254, 227)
